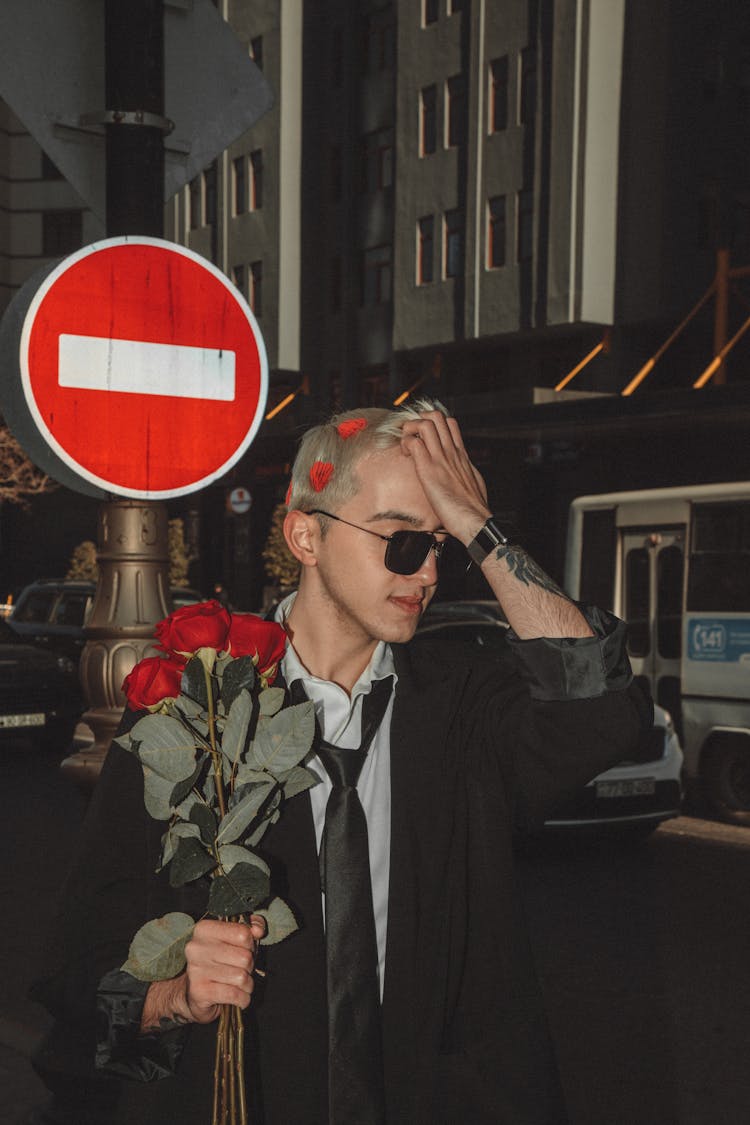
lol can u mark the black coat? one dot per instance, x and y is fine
(473, 755)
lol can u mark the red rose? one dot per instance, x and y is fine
(250, 635)
(153, 680)
(205, 625)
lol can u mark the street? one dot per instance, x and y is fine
(641, 948)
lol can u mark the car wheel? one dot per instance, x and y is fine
(728, 781)
(57, 738)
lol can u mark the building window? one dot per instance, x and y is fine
(455, 110)
(62, 232)
(453, 243)
(373, 386)
(239, 277)
(377, 160)
(429, 12)
(496, 232)
(499, 94)
(376, 275)
(425, 249)
(527, 104)
(455, 6)
(256, 179)
(336, 173)
(256, 288)
(196, 203)
(256, 51)
(209, 180)
(50, 171)
(239, 186)
(427, 120)
(379, 34)
(335, 283)
(525, 239)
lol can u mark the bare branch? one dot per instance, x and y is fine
(20, 479)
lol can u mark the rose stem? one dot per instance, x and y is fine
(217, 1079)
(240, 1063)
(215, 755)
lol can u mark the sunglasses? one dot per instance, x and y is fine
(406, 551)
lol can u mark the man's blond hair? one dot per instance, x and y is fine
(324, 474)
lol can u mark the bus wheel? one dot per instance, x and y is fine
(727, 778)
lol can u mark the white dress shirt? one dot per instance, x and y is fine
(340, 720)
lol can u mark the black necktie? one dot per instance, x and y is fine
(355, 1051)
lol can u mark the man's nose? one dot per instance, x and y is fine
(428, 571)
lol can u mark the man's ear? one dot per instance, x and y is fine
(302, 534)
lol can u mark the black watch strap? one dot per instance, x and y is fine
(486, 540)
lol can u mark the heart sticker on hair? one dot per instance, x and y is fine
(320, 474)
(351, 427)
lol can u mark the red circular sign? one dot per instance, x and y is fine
(143, 368)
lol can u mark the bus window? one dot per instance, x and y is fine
(719, 575)
(669, 572)
(637, 601)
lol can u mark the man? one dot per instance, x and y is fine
(464, 751)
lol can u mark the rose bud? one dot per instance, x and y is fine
(250, 635)
(152, 681)
(205, 625)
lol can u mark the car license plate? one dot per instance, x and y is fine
(630, 787)
(35, 720)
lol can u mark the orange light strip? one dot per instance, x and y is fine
(717, 361)
(280, 405)
(405, 394)
(650, 364)
(572, 374)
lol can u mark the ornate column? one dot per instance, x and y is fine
(132, 594)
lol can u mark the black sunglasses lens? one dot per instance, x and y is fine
(407, 550)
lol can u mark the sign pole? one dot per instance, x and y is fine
(133, 588)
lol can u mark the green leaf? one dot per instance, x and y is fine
(231, 854)
(236, 727)
(157, 795)
(270, 816)
(188, 707)
(271, 700)
(240, 892)
(205, 818)
(279, 919)
(193, 683)
(285, 741)
(157, 952)
(127, 743)
(183, 788)
(171, 838)
(184, 807)
(237, 675)
(298, 780)
(166, 747)
(242, 813)
(246, 775)
(191, 860)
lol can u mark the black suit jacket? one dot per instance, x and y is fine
(475, 752)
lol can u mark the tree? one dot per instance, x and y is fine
(280, 564)
(20, 479)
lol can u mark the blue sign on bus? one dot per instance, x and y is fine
(726, 639)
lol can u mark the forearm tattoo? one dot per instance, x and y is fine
(523, 567)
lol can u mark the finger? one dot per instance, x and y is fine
(258, 926)
(230, 933)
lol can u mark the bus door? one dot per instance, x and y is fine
(653, 568)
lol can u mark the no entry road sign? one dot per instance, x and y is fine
(142, 368)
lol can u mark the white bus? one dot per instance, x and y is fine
(675, 564)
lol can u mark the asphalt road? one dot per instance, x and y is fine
(641, 949)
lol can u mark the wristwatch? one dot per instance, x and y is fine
(486, 540)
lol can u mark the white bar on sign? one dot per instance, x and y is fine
(132, 367)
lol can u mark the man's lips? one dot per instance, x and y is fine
(408, 604)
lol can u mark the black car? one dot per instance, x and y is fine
(53, 611)
(40, 695)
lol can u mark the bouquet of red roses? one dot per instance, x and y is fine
(220, 753)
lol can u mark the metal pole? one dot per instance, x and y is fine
(133, 589)
(721, 319)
